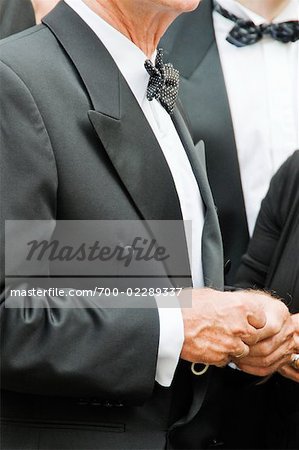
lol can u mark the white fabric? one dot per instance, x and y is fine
(263, 91)
(130, 61)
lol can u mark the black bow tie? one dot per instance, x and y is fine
(164, 82)
(246, 32)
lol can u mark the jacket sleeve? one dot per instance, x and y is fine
(57, 349)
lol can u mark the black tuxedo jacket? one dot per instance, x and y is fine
(75, 145)
(272, 262)
(15, 16)
(191, 46)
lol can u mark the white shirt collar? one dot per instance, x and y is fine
(290, 12)
(128, 57)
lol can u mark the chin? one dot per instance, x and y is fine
(179, 5)
(185, 5)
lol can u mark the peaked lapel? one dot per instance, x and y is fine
(191, 46)
(212, 255)
(117, 119)
(121, 126)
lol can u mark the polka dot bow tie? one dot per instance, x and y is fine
(246, 32)
(164, 82)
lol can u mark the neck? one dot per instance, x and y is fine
(137, 21)
(42, 7)
(269, 9)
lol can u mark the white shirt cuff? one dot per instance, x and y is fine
(171, 339)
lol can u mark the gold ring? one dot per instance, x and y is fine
(295, 361)
(199, 372)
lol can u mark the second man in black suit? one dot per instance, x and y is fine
(242, 101)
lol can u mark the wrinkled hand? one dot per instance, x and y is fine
(276, 344)
(287, 370)
(220, 325)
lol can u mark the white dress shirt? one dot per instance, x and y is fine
(130, 61)
(263, 92)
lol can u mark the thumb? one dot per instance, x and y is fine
(241, 352)
(258, 318)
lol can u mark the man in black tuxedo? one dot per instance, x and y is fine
(238, 89)
(84, 139)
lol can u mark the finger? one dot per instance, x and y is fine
(251, 336)
(284, 339)
(277, 316)
(289, 372)
(257, 319)
(262, 371)
(257, 371)
(266, 361)
(241, 352)
(223, 363)
(262, 366)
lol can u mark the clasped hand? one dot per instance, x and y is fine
(250, 328)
